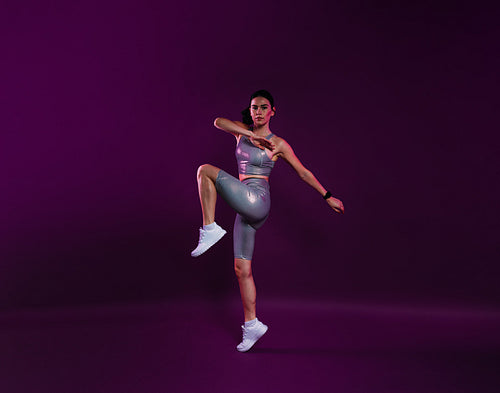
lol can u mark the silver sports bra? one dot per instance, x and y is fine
(252, 160)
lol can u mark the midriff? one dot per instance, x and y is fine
(243, 177)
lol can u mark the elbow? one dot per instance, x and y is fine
(221, 123)
(305, 175)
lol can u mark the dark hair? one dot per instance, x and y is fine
(245, 113)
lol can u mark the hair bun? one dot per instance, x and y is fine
(246, 117)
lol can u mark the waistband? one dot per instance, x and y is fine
(256, 182)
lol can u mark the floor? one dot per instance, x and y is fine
(189, 346)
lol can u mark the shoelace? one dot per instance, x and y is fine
(245, 332)
(202, 234)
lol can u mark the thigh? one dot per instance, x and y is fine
(243, 238)
(243, 199)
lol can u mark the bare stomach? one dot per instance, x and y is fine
(243, 177)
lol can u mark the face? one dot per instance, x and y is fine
(261, 111)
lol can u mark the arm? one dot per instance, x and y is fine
(233, 127)
(286, 152)
(237, 129)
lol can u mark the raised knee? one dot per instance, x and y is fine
(202, 170)
(207, 170)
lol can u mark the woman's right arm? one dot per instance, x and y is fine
(233, 127)
(238, 129)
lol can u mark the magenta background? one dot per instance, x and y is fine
(107, 111)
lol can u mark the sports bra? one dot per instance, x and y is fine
(252, 160)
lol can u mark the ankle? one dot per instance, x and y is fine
(250, 323)
(209, 227)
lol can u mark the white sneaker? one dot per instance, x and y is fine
(208, 239)
(251, 335)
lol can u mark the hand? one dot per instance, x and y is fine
(262, 142)
(336, 204)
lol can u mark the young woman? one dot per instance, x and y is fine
(257, 149)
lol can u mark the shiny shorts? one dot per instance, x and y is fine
(251, 199)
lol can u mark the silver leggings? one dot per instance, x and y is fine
(251, 200)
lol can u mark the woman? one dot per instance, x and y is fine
(257, 149)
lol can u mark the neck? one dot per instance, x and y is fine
(262, 130)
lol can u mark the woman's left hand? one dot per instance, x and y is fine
(336, 204)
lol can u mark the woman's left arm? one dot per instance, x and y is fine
(285, 151)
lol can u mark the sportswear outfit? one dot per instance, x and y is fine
(250, 198)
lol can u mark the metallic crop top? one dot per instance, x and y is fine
(252, 160)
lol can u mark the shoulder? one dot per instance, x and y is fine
(281, 144)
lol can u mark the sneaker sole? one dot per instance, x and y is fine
(199, 252)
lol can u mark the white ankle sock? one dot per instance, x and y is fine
(209, 227)
(251, 323)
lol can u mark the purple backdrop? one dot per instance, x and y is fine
(107, 111)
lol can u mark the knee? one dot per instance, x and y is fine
(207, 171)
(202, 170)
(242, 268)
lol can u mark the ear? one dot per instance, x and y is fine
(274, 111)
